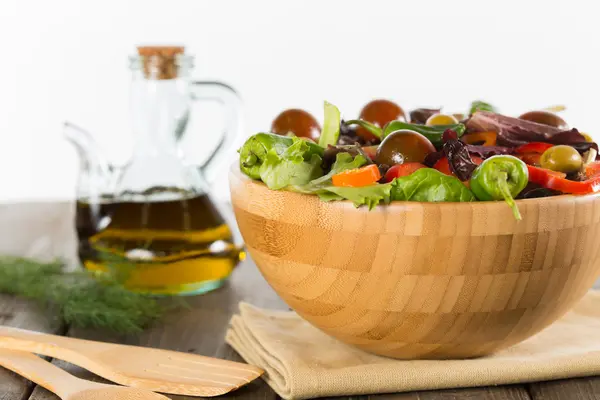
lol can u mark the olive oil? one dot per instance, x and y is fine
(162, 241)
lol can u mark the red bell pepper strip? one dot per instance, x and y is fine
(533, 147)
(444, 167)
(400, 170)
(531, 153)
(592, 169)
(556, 181)
(357, 177)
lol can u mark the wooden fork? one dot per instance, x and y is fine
(65, 385)
(152, 369)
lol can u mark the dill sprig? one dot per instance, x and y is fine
(83, 299)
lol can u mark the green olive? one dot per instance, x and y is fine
(562, 159)
(403, 146)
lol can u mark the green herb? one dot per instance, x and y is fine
(479, 105)
(296, 165)
(372, 128)
(427, 184)
(331, 126)
(83, 299)
(433, 133)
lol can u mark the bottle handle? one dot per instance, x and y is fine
(231, 102)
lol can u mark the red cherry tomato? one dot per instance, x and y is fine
(400, 170)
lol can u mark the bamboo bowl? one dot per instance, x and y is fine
(422, 280)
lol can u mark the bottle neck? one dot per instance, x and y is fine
(159, 113)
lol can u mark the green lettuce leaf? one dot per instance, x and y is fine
(296, 165)
(370, 196)
(479, 105)
(430, 185)
(331, 126)
(426, 185)
(343, 162)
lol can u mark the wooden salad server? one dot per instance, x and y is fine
(65, 385)
(152, 369)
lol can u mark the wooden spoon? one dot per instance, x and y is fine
(141, 367)
(65, 385)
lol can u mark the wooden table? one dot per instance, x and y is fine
(201, 330)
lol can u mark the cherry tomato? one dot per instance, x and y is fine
(403, 146)
(400, 170)
(379, 112)
(298, 122)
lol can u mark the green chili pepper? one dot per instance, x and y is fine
(372, 128)
(500, 178)
(433, 133)
(254, 152)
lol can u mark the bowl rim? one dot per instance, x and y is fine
(235, 171)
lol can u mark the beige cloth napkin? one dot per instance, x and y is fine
(302, 362)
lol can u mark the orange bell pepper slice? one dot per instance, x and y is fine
(486, 138)
(357, 177)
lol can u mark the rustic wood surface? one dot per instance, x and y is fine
(201, 330)
(422, 280)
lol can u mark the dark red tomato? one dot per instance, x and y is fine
(379, 112)
(402, 146)
(400, 170)
(443, 166)
(298, 122)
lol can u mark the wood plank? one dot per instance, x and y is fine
(32, 229)
(27, 315)
(513, 392)
(200, 329)
(567, 389)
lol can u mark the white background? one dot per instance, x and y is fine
(67, 60)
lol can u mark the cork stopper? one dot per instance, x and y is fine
(160, 62)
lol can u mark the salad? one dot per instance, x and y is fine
(427, 156)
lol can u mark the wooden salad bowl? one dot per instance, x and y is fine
(422, 280)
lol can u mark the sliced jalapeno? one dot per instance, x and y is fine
(500, 178)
